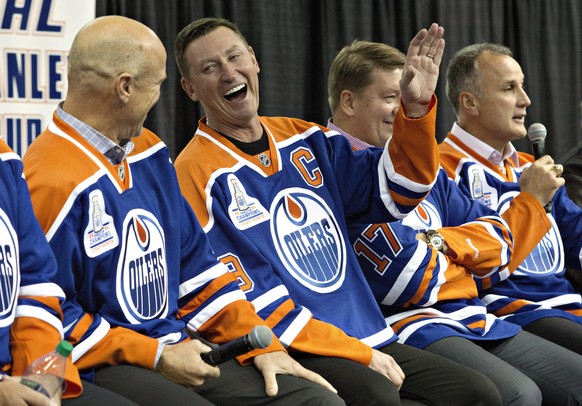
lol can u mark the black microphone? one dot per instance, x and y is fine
(537, 135)
(259, 337)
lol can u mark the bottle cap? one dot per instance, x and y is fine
(65, 348)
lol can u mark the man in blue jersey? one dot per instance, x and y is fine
(137, 270)
(31, 321)
(274, 195)
(425, 270)
(485, 86)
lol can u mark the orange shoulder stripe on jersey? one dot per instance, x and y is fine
(282, 128)
(450, 157)
(52, 174)
(144, 141)
(193, 175)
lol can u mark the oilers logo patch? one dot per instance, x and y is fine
(244, 211)
(142, 279)
(308, 239)
(100, 235)
(547, 257)
(9, 274)
(424, 217)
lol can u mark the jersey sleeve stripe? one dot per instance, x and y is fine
(204, 278)
(89, 342)
(300, 321)
(214, 307)
(270, 297)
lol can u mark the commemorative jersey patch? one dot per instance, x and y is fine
(142, 279)
(480, 189)
(100, 235)
(308, 239)
(9, 274)
(244, 210)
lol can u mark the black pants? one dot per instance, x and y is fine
(237, 385)
(525, 368)
(564, 332)
(94, 395)
(430, 379)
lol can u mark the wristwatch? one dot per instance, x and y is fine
(434, 240)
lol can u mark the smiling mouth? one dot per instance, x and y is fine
(236, 93)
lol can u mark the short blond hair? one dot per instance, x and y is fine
(354, 65)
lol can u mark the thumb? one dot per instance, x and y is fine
(271, 387)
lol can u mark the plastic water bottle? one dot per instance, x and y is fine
(46, 374)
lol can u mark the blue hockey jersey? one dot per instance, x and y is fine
(30, 302)
(424, 294)
(135, 265)
(281, 227)
(538, 286)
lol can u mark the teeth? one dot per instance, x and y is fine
(235, 89)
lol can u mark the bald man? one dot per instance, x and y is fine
(140, 278)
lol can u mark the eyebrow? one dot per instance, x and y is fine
(228, 51)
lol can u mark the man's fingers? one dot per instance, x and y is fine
(314, 377)
(558, 169)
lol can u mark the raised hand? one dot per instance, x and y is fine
(421, 69)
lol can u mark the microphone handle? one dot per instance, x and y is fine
(539, 150)
(227, 351)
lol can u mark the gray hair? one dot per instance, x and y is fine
(463, 72)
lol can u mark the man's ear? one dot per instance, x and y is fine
(346, 102)
(189, 89)
(254, 59)
(469, 103)
(124, 86)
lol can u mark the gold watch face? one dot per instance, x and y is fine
(436, 241)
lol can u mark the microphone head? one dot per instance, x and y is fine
(537, 132)
(260, 337)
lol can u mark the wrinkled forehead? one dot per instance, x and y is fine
(501, 66)
(214, 44)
